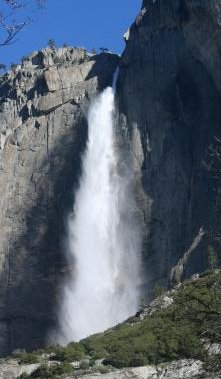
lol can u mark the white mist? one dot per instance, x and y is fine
(103, 237)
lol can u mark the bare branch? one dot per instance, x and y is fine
(13, 18)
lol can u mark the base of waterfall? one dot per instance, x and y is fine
(176, 336)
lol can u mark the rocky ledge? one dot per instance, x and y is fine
(183, 369)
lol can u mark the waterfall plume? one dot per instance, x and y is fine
(104, 241)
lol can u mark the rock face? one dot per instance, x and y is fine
(11, 369)
(183, 369)
(43, 131)
(169, 95)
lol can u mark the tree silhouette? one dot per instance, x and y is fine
(2, 67)
(104, 50)
(212, 257)
(14, 18)
(52, 43)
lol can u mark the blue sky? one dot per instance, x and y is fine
(87, 23)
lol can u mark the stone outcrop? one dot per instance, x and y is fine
(11, 369)
(183, 369)
(43, 130)
(169, 97)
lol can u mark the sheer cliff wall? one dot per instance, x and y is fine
(169, 96)
(43, 131)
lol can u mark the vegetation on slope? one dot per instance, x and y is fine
(182, 330)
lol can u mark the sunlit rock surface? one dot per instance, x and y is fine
(183, 369)
(43, 131)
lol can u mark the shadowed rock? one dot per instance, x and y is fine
(169, 109)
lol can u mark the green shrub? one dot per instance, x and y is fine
(84, 365)
(138, 360)
(63, 368)
(49, 372)
(213, 364)
(13, 66)
(103, 369)
(94, 348)
(168, 334)
(158, 290)
(28, 358)
(24, 376)
(41, 372)
(50, 349)
(119, 359)
(73, 352)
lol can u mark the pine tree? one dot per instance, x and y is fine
(52, 44)
(212, 257)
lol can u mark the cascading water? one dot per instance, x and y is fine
(103, 237)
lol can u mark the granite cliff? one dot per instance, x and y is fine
(168, 98)
(43, 131)
(169, 109)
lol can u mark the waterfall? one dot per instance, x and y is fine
(103, 237)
